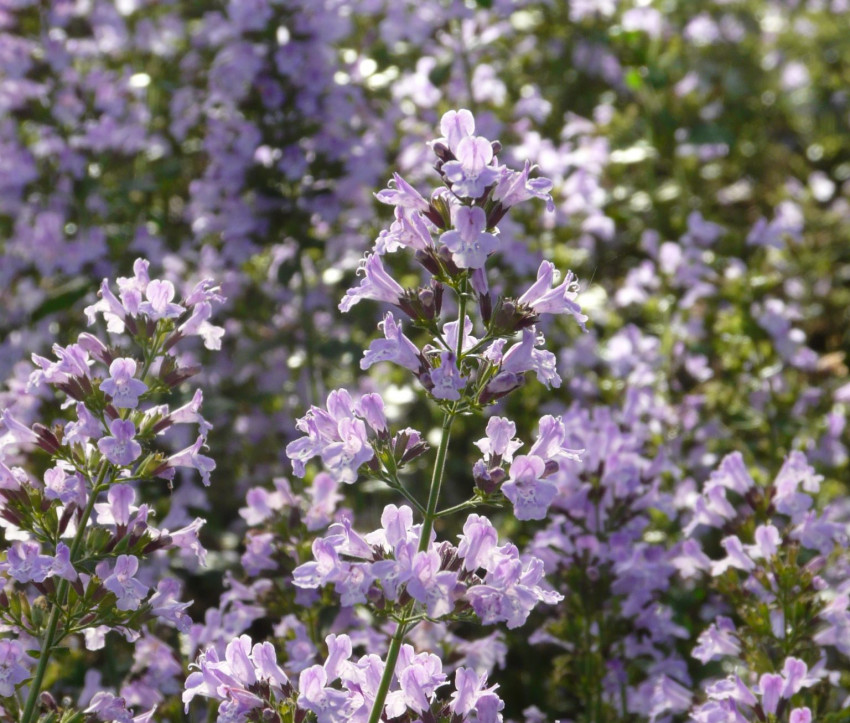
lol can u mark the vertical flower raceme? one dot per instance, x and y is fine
(81, 542)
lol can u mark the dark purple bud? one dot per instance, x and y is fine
(550, 468)
(72, 389)
(171, 341)
(500, 385)
(498, 475)
(446, 259)
(46, 439)
(375, 596)
(441, 150)
(161, 425)
(497, 213)
(497, 149)
(426, 299)
(438, 296)
(160, 543)
(485, 305)
(48, 701)
(95, 347)
(413, 452)
(428, 261)
(180, 375)
(99, 593)
(11, 516)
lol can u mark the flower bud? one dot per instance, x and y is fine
(500, 385)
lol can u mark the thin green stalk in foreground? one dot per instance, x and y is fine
(427, 526)
(29, 715)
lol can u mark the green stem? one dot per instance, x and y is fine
(50, 639)
(386, 679)
(436, 483)
(427, 524)
(424, 538)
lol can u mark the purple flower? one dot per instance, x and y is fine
(470, 690)
(14, 666)
(477, 542)
(455, 125)
(544, 299)
(718, 640)
(192, 458)
(337, 435)
(168, 608)
(530, 494)
(114, 312)
(446, 379)
(123, 583)
(471, 174)
(403, 195)
(394, 347)
(469, 243)
(108, 707)
(85, 428)
(430, 586)
(736, 557)
(62, 566)
(25, 563)
(325, 568)
(499, 441)
(159, 295)
(59, 485)
(514, 187)
(409, 230)
(118, 508)
(198, 325)
(120, 449)
(525, 357)
(419, 676)
(19, 432)
(329, 704)
(376, 284)
(122, 386)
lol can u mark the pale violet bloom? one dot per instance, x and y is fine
(514, 187)
(159, 295)
(530, 494)
(394, 347)
(122, 385)
(123, 583)
(121, 448)
(15, 666)
(455, 125)
(471, 174)
(470, 244)
(376, 284)
(544, 299)
(446, 378)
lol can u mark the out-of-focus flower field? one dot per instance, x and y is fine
(585, 440)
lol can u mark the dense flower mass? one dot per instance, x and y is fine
(576, 448)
